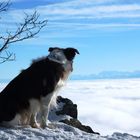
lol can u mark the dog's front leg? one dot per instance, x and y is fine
(44, 116)
(33, 121)
(44, 110)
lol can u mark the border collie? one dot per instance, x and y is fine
(33, 90)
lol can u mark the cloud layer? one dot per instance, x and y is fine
(107, 105)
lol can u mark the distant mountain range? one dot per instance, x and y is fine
(107, 75)
(102, 75)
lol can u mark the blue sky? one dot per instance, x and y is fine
(106, 32)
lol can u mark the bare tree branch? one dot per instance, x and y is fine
(30, 27)
(8, 57)
(4, 6)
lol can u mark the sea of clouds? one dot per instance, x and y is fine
(107, 105)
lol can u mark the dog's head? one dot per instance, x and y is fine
(62, 55)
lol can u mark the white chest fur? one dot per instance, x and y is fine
(50, 99)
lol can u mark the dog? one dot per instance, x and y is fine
(35, 88)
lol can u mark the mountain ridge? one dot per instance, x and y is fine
(107, 75)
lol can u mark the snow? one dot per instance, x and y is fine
(107, 105)
(60, 132)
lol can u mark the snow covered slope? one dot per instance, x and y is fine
(60, 132)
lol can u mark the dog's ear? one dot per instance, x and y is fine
(70, 53)
(76, 51)
(50, 49)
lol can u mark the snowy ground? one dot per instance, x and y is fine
(61, 132)
(107, 105)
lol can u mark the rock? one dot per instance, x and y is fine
(76, 123)
(70, 109)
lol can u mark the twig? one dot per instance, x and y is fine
(26, 30)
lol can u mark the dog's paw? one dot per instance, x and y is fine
(48, 125)
(35, 125)
(51, 126)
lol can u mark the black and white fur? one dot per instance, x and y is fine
(32, 91)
